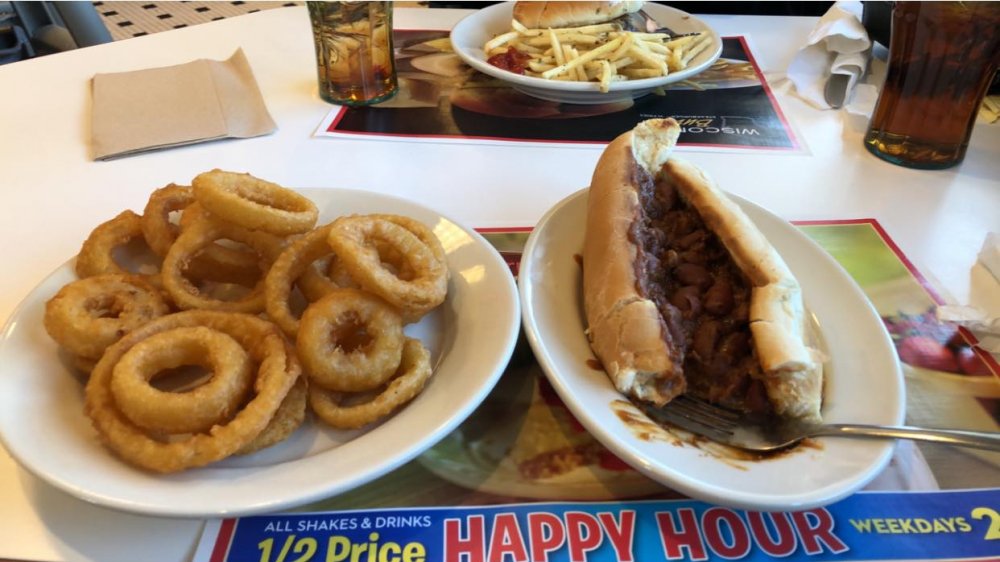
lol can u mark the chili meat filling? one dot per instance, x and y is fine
(702, 297)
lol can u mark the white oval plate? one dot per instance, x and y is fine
(864, 383)
(471, 337)
(469, 35)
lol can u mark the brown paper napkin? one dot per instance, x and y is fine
(178, 105)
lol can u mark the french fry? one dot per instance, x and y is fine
(499, 40)
(578, 38)
(695, 50)
(607, 72)
(653, 47)
(557, 51)
(588, 56)
(641, 73)
(601, 53)
(681, 41)
(539, 67)
(649, 59)
(621, 50)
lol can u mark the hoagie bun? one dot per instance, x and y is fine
(541, 15)
(683, 293)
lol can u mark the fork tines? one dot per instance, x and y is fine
(698, 416)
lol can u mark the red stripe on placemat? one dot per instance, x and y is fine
(502, 229)
(222, 541)
(468, 137)
(336, 120)
(743, 146)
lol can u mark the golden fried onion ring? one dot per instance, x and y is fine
(197, 236)
(293, 263)
(96, 255)
(415, 285)
(157, 229)
(196, 409)
(413, 373)
(254, 203)
(326, 274)
(326, 327)
(425, 234)
(277, 371)
(215, 262)
(286, 420)
(88, 315)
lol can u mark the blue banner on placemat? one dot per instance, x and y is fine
(959, 525)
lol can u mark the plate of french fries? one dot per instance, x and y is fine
(597, 63)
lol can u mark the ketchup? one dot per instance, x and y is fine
(512, 60)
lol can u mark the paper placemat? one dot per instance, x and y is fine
(728, 108)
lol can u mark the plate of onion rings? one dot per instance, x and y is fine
(468, 340)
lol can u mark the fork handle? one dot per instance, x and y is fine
(977, 439)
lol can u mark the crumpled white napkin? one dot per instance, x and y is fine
(834, 58)
(987, 329)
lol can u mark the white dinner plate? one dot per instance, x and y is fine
(471, 337)
(469, 35)
(864, 383)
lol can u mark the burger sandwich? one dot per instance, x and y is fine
(543, 15)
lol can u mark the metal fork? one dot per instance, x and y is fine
(745, 432)
(641, 21)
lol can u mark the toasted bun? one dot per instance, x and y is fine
(626, 330)
(571, 14)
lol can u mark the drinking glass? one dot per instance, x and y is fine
(354, 55)
(942, 58)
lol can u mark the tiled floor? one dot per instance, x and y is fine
(134, 19)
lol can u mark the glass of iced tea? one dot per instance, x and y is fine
(354, 55)
(942, 58)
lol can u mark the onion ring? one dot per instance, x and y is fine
(194, 410)
(88, 315)
(82, 364)
(157, 229)
(293, 263)
(326, 327)
(96, 255)
(192, 240)
(364, 242)
(425, 234)
(414, 371)
(277, 372)
(326, 274)
(286, 420)
(254, 203)
(215, 262)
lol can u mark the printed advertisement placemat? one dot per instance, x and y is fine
(958, 525)
(542, 454)
(729, 107)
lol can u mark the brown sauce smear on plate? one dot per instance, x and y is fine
(646, 429)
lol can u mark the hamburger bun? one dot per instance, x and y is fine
(571, 14)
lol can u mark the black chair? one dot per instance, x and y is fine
(42, 28)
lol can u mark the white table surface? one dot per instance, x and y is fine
(54, 194)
